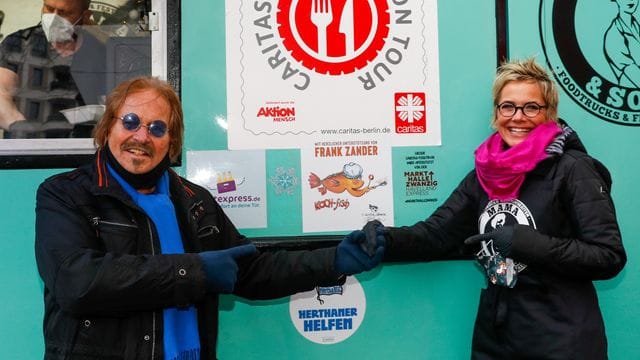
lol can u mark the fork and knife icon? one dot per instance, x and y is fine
(322, 15)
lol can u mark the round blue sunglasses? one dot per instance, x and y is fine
(156, 128)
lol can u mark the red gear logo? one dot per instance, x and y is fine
(333, 36)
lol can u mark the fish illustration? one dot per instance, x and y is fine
(350, 179)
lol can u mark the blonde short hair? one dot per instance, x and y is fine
(526, 70)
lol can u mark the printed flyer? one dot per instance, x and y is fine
(332, 70)
(347, 184)
(236, 181)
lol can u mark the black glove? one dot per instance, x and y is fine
(352, 259)
(502, 239)
(374, 232)
(221, 269)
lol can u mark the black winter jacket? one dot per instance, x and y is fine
(105, 283)
(566, 235)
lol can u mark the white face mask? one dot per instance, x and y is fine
(58, 29)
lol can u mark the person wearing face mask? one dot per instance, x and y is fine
(134, 257)
(59, 26)
(36, 80)
(537, 215)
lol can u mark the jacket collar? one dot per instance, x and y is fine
(104, 183)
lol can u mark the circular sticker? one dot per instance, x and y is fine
(329, 315)
(595, 58)
(333, 36)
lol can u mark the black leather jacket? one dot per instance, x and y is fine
(105, 283)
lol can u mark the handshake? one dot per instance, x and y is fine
(361, 250)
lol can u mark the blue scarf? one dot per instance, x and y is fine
(181, 340)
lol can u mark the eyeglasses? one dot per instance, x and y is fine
(529, 109)
(131, 122)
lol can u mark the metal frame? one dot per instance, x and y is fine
(69, 153)
(502, 28)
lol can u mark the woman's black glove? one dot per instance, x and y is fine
(374, 232)
(502, 239)
(494, 255)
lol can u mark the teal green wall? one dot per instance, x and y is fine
(617, 147)
(21, 305)
(414, 311)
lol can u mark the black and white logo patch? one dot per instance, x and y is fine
(593, 49)
(498, 214)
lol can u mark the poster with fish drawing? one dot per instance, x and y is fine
(345, 184)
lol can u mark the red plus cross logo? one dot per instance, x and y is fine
(411, 115)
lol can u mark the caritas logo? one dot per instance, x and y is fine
(333, 36)
(411, 116)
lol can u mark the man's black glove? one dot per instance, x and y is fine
(502, 239)
(374, 232)
(352, 259)
(221, 269)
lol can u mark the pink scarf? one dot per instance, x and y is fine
(501, 171)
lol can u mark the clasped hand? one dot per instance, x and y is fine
(361, 250)
(221, 268)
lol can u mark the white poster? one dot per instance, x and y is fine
(329, 315)
(347, 183)
(332, 69)
(236, 179)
